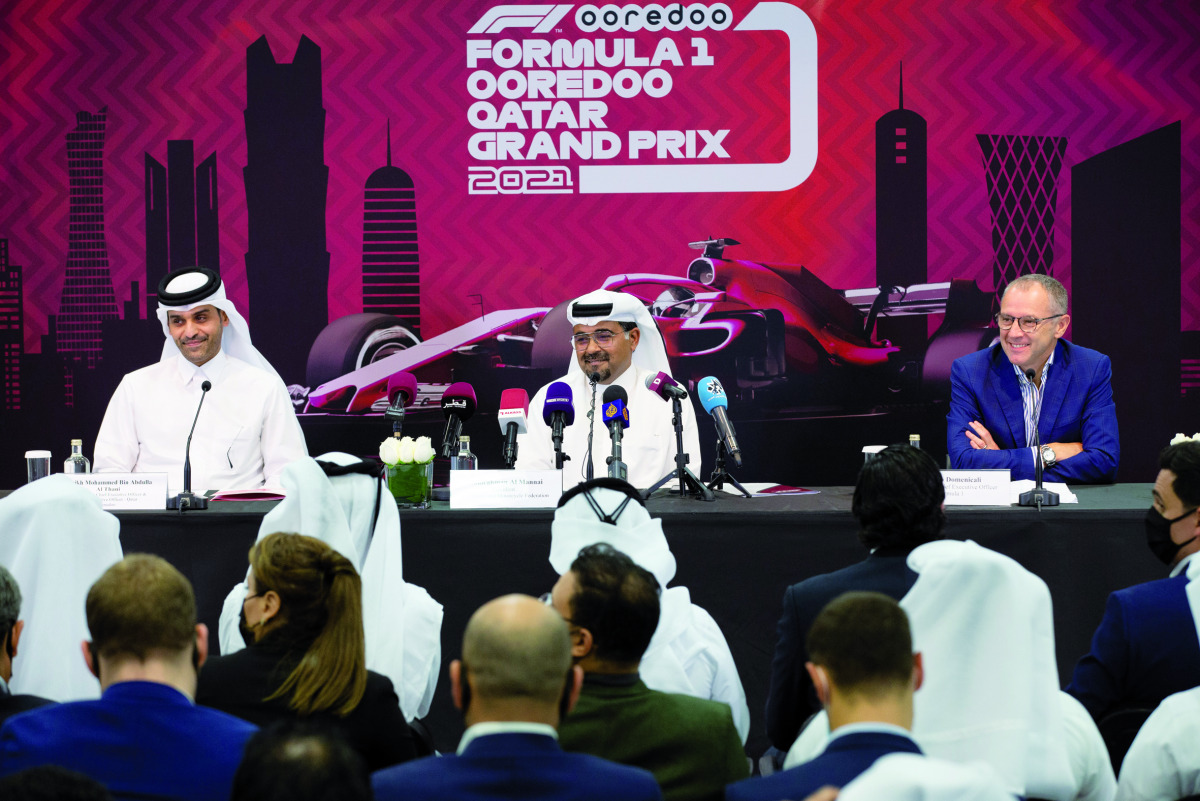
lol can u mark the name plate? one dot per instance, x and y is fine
(125, 490)
(976, 487)
(505, 489)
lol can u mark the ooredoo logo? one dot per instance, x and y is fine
(653, 17)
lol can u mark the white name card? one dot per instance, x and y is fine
(976, 487)
(125, 490)
(505, 489)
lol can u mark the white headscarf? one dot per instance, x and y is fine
(235, 338)
(913, 777)
(651, 353)
(402, 623)
(56, 540)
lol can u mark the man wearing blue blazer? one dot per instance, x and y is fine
(865, 672)
(1146, 646)
(513, 685)
(1035, 379)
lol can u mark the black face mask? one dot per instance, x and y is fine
(246, 632)
(1158, 535)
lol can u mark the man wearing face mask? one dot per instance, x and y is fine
(1146, 647)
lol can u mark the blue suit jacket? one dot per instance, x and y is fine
(1077, 407)
(1144, 650)
(140, 739)
(531, 767)
(841, 762)
(791, 698)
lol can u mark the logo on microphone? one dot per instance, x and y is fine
(454, 403)
(614, 411)
(713, 387)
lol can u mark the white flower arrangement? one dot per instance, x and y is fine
(1178, 438)
(406, 450)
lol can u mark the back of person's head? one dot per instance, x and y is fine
(516, 647)
(300, 761)
(141, 607)
(863, 641)
(1183, 459)
(617, 601)
(10, 608)
(51, 783)
(898, 499)
(321, 613)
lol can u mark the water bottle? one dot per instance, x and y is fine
(464, 459)
(914, 440)
(77, 462)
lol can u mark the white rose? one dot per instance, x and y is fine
(389, 451)
(406, 450)
(423, 451)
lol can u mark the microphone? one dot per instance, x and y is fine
(665, 386)
(615, 411)
(712, 398)
(558, 412)
(458, 404)
(513, 414)
(1038, 496)
(402, 388)
(186, 499)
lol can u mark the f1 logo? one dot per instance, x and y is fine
(542, 18)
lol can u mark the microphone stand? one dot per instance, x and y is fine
(688, 483)
(1038, 496)
(720, 475)
(188, 499)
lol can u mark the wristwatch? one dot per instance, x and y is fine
(1048, 457)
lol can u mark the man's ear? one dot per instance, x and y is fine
(820, 680)
(581, 642)
(89, 660)
(635, 336)
(201, 644)
(1061, 328)
(455, 673)
(224, 318)
(14, 636)
(918, 671)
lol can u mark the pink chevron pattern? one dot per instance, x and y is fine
(1097, 74)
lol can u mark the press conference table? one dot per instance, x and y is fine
(735, 555)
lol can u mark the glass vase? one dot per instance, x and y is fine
(411, 484)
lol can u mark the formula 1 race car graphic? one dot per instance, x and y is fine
(776, 336)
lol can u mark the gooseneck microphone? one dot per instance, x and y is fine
(513, 417)
(558, 412)
(615, 411)
(458, 404)
(713, 399)
(1038, 496)
(402, 389)
(186, 499)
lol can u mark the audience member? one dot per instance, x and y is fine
(865, 672)
(298, 760)
(688, 653)
(144, 737)
(338, 498)
(56, 540)
(1146, 646)
(898, 506)
(689, 744)
(1163, 764)
(52, 783)
(10, 636)
(513, 684)
(909, 777)
(306, 656)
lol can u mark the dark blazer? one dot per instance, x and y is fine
(791, 698)
(531, 767)
(15, 704)
(840, 763)
(140, 739)
(238, 683)
(1144, 649)
(1077, 407)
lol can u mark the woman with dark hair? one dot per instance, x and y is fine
(306, 657)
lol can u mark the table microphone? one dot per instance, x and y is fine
(458, 404)
(513, 416)
(666, 387)
(558, 412)
(1038, 496)
(402, 389)
(615, 411)
(186, 499)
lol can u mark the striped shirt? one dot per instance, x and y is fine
(1029, 400)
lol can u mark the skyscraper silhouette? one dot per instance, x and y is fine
(12, 329)
(181, 214)
(87, 294)
(390, 270)
(287, 264)
(1022, 180)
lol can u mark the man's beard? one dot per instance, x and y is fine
(600, 369)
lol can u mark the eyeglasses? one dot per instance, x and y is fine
(1028, 324)
(602, 338)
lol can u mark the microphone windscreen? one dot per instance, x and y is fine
(616, 401)
(711, 393)
(1030, 374)
(404, 384)
(657, 382)
(514, 408)
(559, 399)
(206, 386)
(459, 399)
(615, 393)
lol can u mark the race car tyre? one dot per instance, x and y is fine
(355, 340)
